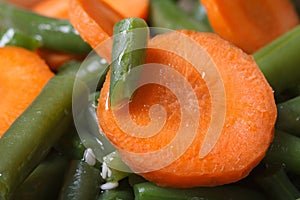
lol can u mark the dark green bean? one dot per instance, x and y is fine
(82, 181)
(276, 184)
(45, 181)
(149, 191)
(129, 51)
(166, 14)
(285, 150)
(30, 137)
(53, 33)
(288, 118)
(11, 37)
(70, 145)
(280, 61)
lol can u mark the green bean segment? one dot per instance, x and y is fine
(280, 61)
(129, 51)
(149, 191)
(166, 14)
(31, 136)
(11, 37)
(81, 182)
(288, 118)
(53, 33)
(285, 150)
(45, 181)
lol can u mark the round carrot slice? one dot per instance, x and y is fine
(213, 130)
(251, 24)
(23, 74)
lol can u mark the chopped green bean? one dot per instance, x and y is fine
(149, 191)
(129, 51)
(166, 14)
(81, 182)
(12, 37)
(280, 61)
(288, 118)
(45, 181)
(53, 33)
(285, 150)
(276, 184)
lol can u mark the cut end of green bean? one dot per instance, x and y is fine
(129, 51)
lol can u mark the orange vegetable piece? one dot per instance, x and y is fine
(94, 19)
(249, 114)
(52, 8)
(23, 74)
(251, 24)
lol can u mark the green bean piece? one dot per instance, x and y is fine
(166, 14)
(81, 182)
(128, 52)
(45, 181)
(11, 37)
(124, 192)
(70, 145)
(288, 118)
(280, 61)
(149, 191)
(285, 150)
(54, 34)
(31, 136)
(276, 184)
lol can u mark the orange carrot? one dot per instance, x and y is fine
(23, 74)
(94, 19)
(249, 114)
(132, 8)
(52, 8)
(251, 24)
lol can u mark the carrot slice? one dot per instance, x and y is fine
(23, 74)
(234, 127)
(132, 8)
(94, 19)
(251, 24)
(52, 8)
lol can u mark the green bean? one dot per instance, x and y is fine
(70, 145)
(276, 184)
(12, 37)
(166, 14)
(285, 150)
(81, 182)
(288, 118)
(149, 191)
(129, 51)
(54, 34)
(45, 181)
(280, 61)
(31, 136)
